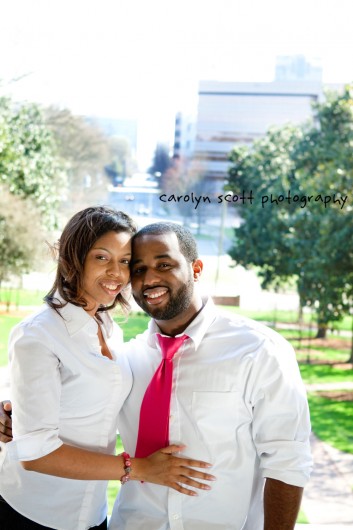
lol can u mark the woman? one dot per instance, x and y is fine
(68, 385)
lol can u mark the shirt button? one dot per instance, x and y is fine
(175, 516)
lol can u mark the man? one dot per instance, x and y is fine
(237, 400)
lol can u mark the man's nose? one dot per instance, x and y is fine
(151, 277)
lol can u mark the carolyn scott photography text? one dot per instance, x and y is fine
(335, 199)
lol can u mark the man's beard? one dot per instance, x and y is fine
(178, 303)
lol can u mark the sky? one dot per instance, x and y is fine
(143, 59)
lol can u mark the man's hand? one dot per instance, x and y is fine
(5, 421)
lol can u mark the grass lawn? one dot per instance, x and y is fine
(332, 421)
(323, 373)
(7, 321)
(290, 317)
(136, 323)
(321, 354)
(114, 485)
(21, 297)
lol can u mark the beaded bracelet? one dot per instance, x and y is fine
(127, 468)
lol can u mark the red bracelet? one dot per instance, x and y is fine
(127, 468)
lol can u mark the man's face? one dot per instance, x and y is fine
(162, 280)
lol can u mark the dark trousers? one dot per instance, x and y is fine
(12, 520)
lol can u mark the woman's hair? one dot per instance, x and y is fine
(77, 238)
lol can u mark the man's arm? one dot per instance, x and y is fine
(5, 421)
(281, 505)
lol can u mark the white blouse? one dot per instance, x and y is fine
(63, 391)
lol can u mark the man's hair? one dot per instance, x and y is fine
(187, 243)
(77, 238)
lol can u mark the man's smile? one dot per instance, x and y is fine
(155, 295)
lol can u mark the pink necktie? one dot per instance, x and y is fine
(155, 408)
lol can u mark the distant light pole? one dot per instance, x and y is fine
(221, 237)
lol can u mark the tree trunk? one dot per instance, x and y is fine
(350, 360)
(321, 331)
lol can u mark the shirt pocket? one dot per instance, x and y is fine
(216, 415)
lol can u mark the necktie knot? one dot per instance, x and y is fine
(170, 345)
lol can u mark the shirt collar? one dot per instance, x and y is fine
(195, 330)
(76, 318)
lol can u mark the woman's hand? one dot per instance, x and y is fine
(165, 469)
(5, 421)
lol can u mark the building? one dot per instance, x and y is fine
(230, 114)
(184, 136)
(298, 68)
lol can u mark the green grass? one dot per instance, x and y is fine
(21, 297)
(291, 317)
(295, 334)
(136, 323)
(6, 324)
(302, 518)
(320, 354)
(332, 421)
(114, 485)
(323, 373)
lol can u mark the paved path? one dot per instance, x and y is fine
(328, 497)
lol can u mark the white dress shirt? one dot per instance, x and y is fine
(237, 402)
(63, 391)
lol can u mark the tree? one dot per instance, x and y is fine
(264, 238)
(31, 184)
(121, 164)
(29, 165)
(84, 150)
(20, 240)
(324, 163)
(299, 238)
(161, 161)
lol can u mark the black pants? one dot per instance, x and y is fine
(12, 520)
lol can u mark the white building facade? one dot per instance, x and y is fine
(231, 114)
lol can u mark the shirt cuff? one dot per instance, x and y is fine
(294, 478)
(289, 462)
(34, 445)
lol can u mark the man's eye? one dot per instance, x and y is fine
(125, 261)
(102, 258)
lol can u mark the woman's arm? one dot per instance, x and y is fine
(159, 468)
(37, 387)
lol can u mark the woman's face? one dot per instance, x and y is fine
(106, 269)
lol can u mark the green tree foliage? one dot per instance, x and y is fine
(301, 239)
(29, 167)
(161, 160)
(121, 163)
(31, 182)
(20, 240)
(83, 149)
